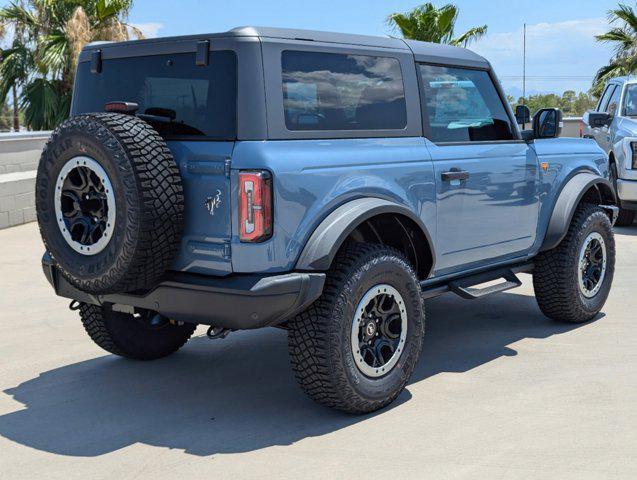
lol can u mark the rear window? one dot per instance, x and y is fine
(331, 91)
(179, 98)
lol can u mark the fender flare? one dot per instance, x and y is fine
(567, 202)
(327, 238)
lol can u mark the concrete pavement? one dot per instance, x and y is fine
(500, 392)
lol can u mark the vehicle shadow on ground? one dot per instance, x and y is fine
(238, 394)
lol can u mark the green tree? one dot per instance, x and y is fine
(48, 37)
(428, 23)
(623, 36)
(571, 103)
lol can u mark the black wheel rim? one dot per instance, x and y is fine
(85, 205)
(592, 265)
(379, 330)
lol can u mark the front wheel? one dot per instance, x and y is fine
(356, 347)
(573, 280)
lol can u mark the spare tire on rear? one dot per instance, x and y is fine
(109, 202)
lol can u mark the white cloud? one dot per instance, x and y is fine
(150, 29)
(560, 56)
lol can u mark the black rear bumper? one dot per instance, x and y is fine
(236, 302)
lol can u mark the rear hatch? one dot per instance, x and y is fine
(194, 108)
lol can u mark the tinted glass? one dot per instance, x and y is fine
(603, 102)
(177, 97)
(613, 103)
(548, 124)
(463, 106)
(630, 100)
(329, 91)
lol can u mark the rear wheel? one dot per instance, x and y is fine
(356, 347)
(143, 336)
(626, 217)
(572, 281)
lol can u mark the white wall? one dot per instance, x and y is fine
(19, 156)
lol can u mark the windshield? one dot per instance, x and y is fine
(630, 100)
(177, 97)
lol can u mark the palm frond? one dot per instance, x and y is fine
(470, 36)
(53, 53)
(45, 104)
(625, 14)
(429, 23)
(14, 68)
(15, 13)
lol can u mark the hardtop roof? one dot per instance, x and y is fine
(423, 51)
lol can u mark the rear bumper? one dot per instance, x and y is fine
(237, 302)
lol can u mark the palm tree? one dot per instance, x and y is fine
(48, 37)
(623, 35)
(428, 23)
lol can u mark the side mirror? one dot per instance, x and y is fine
(522, 114)
(547, 123)
(597, 119)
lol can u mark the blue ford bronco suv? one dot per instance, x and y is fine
(321, 183)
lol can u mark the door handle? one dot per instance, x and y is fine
(454, 174)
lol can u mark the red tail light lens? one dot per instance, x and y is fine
(255, 206)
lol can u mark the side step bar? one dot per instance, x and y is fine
(466, 287)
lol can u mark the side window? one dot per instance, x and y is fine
(603, 102)
(613, 103)
(463, 105)
(330, 91)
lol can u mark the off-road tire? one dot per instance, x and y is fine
(319, 338)
(148, 197)
(555, 276)
(626, 217)
(124, 335)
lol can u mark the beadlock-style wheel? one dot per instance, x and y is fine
(592, 265)
(379, 330)
(85, 205)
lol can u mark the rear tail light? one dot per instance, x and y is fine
(581, 129)
(255, 206)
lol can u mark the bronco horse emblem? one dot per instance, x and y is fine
(213, 203)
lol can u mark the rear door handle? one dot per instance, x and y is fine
(454, 174)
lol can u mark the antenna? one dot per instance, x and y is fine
(524, 73)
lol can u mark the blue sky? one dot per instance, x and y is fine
(561, 51)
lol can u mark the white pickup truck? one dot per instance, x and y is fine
(613, 125)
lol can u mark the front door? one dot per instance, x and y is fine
(608, 104)
(486, 178)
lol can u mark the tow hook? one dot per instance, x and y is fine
(215, 333)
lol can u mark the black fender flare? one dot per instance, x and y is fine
(568, 200)
(327, 238)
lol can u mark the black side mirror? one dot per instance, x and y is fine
(522, 114)
(597, 119)
(547, 123)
